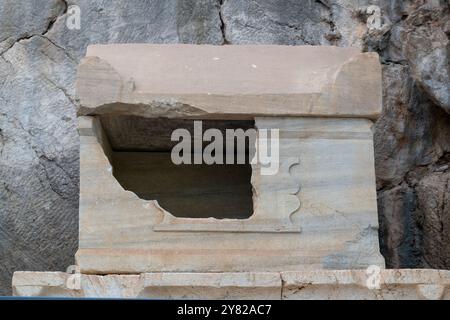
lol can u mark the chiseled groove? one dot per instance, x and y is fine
(337, 135)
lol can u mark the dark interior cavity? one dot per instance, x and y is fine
(141, 161)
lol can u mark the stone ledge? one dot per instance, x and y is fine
(395, 284)
(263, 285)
(226, 82)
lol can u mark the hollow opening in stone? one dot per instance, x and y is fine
(142, 163)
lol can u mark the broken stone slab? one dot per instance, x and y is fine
(394, 284)
(150, 285)
(229, 81)
(388, 284)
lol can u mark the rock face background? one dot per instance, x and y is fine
(39, 143)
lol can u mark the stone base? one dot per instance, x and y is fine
(150, 285)
(321, 284)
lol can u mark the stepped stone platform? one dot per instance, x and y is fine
(323, 285)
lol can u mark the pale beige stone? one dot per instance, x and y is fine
(151, 285)
(60, 284)
(212, 285)
(229, 81)
(318, 211)
(395, 284)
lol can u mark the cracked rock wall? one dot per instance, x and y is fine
(39, 143)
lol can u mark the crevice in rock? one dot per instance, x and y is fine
(393, 62)
(324, 3)
(47, 29)
(40, 155)
(14, 43)
(59, 47)
(73, 179)
(334, 36)
(64, 91)
(2, 142)
(283, 283)
(53, 20)
(42, 158)
(222, 22)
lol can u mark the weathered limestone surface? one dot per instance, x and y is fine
(316, 212)
(229, 81)
(434, 200)
(321, 285)
(395, 284)
(150, 285)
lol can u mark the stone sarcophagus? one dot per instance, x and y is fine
(229, 172)
(141, 213)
